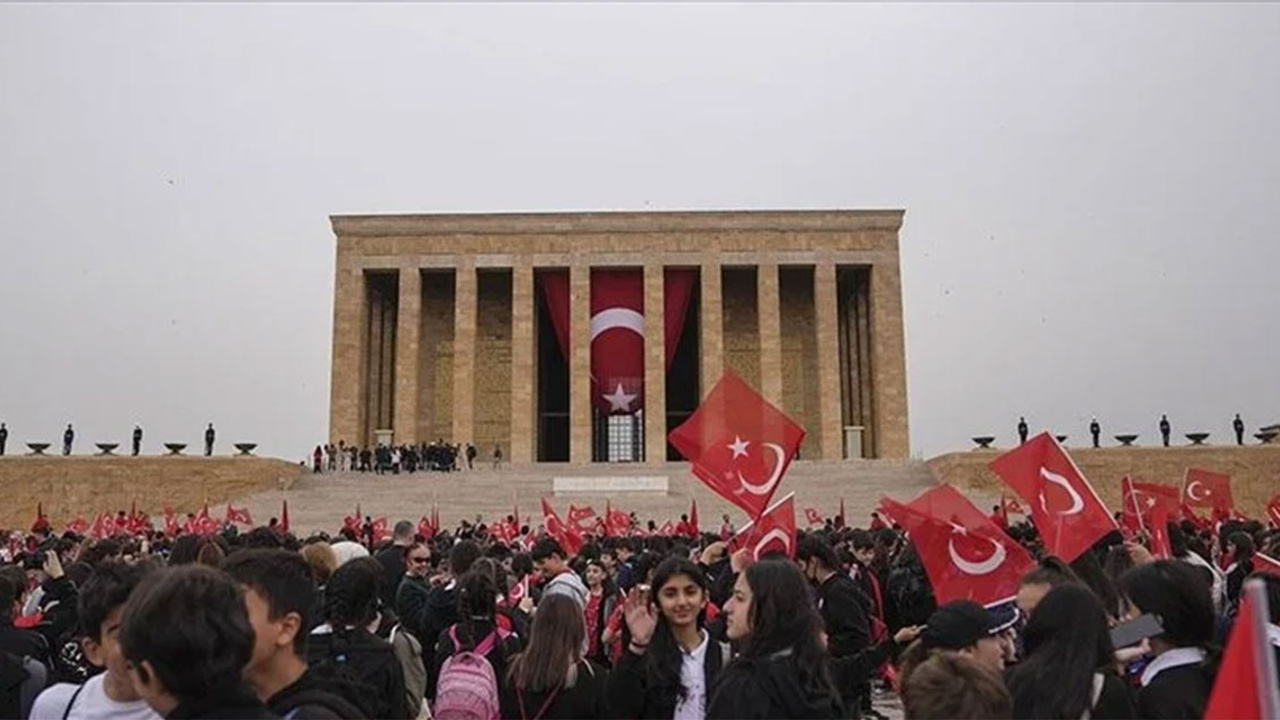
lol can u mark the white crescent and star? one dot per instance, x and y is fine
(766, 487)
(774, 534)
(975, 568)
(620, 401)
(1077, 502)
(1191, 491)
(616, 317)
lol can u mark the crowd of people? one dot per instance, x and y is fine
(438, 456)
(461, 624)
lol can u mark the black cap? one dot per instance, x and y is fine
(960, 624)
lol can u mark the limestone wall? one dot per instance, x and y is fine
(86, 485)
(1254, 470)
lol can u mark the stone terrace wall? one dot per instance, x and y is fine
(1254, 470)
(73, 485)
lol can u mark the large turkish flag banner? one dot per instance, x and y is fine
(1064, 506)
(739, 444)
(965, 555)
(775, 531)
(618, 329)
(1205, 488)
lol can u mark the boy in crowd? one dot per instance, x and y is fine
(109, 695)
(279, 595)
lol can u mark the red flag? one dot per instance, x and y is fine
(668, 529)
(812, 517)
(618, 522)
(79, 525)
(102, 526)
(1064, 506)
(1266, 564)
(241, 516)
(171, 526)
(965, 555)
(1245, 688)
(425, 529)
(1273, 509)
(380, 531)
(694, 531)
(353, 521)
(205, 525)
(519, 591)
(1161, 547)
(775, 531)
(739, 444)
(582, 519)
(568, 538)
(1204, 488)
(284, 516)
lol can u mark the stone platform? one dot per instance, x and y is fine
(318, 502)
(82, 484)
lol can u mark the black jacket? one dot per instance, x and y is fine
(632, 695)
(239, 703)
(1179, 692)
(392, 561)
(586, 699)
(22, 642)
(358, 657)
(312, 698)
(771, 688)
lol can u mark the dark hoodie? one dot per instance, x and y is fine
(311, 697)
(358, 657)
(238, 703)
(770, 688)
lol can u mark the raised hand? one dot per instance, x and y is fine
(641, 616)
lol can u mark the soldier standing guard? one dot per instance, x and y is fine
(1095, 430)
(1164, 429)
(4, 437)
(1237, 425)
(208, 440)
(68, 437)
(1022, 431)
(137, 440)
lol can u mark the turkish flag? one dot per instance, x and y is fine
(1161, 546)
(568, 537)
(616, 521)
(1273, 509)
(582, 518)
(618, 327)
(1266, 564)
(1064, 506)
(738, 444)
(171, 526)
(812, 517)
(668, 528)
(1140, 499)
(519, 591)
(965, 555)
(775, 531)
(239, 516)
(1246, 684)
(1205, 488)
(205, 525)
(353, 521)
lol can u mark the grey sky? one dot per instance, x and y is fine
(1092, 191)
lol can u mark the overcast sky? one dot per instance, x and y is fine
(1092, 191)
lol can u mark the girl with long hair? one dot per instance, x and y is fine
(670, 659)
(477, 627)
(551, 679)
(1069, 665)
(602, 598)
(783, 668)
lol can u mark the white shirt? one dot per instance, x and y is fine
(693, 676)
(1176, 657)
(91, 704)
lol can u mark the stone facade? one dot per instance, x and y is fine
(448, 348)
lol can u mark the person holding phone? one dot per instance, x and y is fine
(1069, 666)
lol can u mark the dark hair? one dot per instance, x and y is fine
(210, 555)
(462, 555)
(545, 548)
(184, 550)
(1052, 572)
(351, 595)
(102, 550)
(108, 587)
(814, 546)
(521, 565)
(191, 625)
(1090, 572)
(949, 685)
(1242, 545)
(262, 538)
(9, 594)
(284, 580)
(1174, 591)
(1066, 641)
(861, 539)
(662, 661)
(477, 601)
(555, 646)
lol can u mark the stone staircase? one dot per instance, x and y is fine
(319, 502)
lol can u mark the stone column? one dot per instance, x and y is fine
(888, 363)
(711, 324)
(826, 317)
(408, 331)
(464, 351)
(347, 386)
(523, 381)
(655, 364)
(770, 330)
(579, 362)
